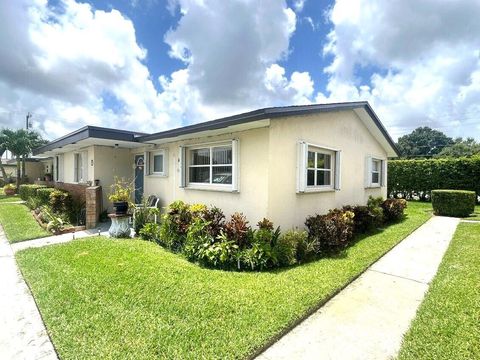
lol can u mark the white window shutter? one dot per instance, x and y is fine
(235, 165)
(182, 165)
(302, 150)
(383, 175)
(60, 168)
(146, 163)
(76, 174)
(165, 162)
(368, 171)
(338, 173)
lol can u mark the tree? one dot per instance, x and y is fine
(3, 148)
(468, 147)
(21, 143)
(423, 141)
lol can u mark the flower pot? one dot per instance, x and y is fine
(97, 182)
(121, 207)
(9, 192)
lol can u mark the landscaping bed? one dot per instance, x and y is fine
(447, 322)
(104, 298)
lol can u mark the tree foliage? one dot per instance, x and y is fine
(423, 141)
(461, 147)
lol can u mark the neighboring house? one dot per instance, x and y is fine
(283, 163)
(34, 168)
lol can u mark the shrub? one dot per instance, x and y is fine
(27, 191)
(290, 247)
(393, 209)
(216, 221)
(237, 229)
(9, 187)
(332, 231)
(265, 224)
(374, 205)
(33, 203)
(43, 195)
(60, 201)
(175, 224)
(457, 203)
(143, 215)
(150, 232)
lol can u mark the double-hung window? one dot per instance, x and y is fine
(158, 163)
(375, 172)
(318, 168)
(211, 165)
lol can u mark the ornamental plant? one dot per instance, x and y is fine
(121, 190)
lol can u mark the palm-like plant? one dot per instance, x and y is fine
(21, 143)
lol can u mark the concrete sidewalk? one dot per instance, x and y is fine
(22, 333)
(368, 318)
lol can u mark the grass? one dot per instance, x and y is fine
(130, 299)
(19, 224)
(475, 215)
(447, 323)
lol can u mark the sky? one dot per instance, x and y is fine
(152, 65)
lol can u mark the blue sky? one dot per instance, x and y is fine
(152, 65)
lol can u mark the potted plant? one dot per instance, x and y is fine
(9, 189)
(120, 195)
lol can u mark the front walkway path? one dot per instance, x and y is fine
(58, 239)
(369, 317)
(22, 333)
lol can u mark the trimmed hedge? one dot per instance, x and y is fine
(456, 203)
(409, 178)
(27, 191)
(43, 195)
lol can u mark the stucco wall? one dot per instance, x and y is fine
(108, 163)
(252, 197)
(340, 130)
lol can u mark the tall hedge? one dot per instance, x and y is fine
(420, 177)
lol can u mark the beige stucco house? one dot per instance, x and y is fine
(282, 163)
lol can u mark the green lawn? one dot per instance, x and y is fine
(447, 325)
(475, 215)
(19, 224)
(130, 299)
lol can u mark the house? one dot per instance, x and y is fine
(34, 168)
(283, 163)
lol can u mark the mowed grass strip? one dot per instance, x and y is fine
(447, 325)
(19, 224)
(475, 215)
(110, 299)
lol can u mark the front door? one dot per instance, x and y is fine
(139, 164)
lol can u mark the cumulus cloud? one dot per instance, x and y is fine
(421, 60)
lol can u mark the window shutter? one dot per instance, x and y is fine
(235, 165)
(181, 165)
(383, 175)
(338, 164)
(146, 163)
(75, 168)
(165, 162)
(60, 168)
(368, 171)
(302, 149)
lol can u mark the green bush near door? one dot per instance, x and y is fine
(457, 203)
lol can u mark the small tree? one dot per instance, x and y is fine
(21, 143)
(423, 141)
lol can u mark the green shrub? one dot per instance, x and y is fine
(33, 203)
(237, 229)
(332, 231)
(364, 220)
(291, 248)
(175, 224)
(374, 205)
(43, 195)
(393, 209)
(150, 232)
(457, 203)
(60, 201)
(26, 191)
(143, 215)
(410, 178)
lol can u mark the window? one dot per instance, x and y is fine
(318, 168)
(157, 163)
(58, 168)
(80, 167)
(210, 165)
(375, 172)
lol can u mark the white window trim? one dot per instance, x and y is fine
(369, 184)
(151, 158)
(184, 166)
(58, 168)
(302, 169)
(84, 167)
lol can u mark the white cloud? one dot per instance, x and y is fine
(298, 5)
(425, 57)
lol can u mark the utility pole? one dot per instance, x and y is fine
(27, 120)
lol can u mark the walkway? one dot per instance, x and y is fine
(369, 317)
(22, 332)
